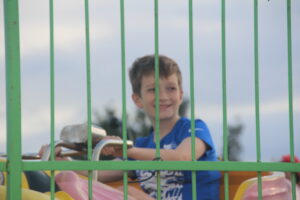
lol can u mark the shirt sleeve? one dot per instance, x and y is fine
(202, 132)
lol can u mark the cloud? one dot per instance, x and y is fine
(267, 108)
(68, 37)
(36, 123)
(39, 120)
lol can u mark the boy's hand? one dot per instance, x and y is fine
(111, 149)
(57, 152)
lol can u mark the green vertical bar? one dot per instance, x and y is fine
(13, 98)
(257, 110)
(290, 90)
(157, 119)
(224, 99)
(88, 85)
(191, 50)
(290, 79)
(52, 97)
(124, 112)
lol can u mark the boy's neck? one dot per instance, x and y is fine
(165, 126)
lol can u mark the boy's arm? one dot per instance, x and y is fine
(106, 175)
(182, 153)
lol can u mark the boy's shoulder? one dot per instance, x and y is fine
(187, 121)
(183, 127)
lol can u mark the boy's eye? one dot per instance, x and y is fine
(172, 88)
(151, 90)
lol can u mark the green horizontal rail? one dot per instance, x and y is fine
(165, 165)
(161, 165)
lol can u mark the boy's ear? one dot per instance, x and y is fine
(137, 100)
(181, 95)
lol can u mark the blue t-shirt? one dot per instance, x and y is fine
(176, 185)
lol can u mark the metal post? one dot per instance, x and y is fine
(13, 98)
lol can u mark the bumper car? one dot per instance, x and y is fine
(274, 187)
(68, 184)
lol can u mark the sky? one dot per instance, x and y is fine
(70, 74)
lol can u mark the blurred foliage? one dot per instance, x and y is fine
(137, 126)
(234, 145)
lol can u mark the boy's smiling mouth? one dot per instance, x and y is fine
(165, 106)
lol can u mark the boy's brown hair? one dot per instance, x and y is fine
(144, 66)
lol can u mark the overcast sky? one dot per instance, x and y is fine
(70, 77)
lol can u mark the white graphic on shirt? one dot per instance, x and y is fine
(170, 146)
(171, 181)
(171, 184)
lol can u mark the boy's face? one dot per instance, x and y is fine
(170, 97)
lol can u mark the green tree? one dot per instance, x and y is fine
(234, 145)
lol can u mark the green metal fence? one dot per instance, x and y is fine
(14, 165)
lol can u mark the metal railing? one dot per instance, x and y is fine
(15, 165)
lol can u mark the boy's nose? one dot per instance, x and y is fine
(162, 94)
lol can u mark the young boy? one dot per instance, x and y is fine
(175, 133)
(175, 137)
